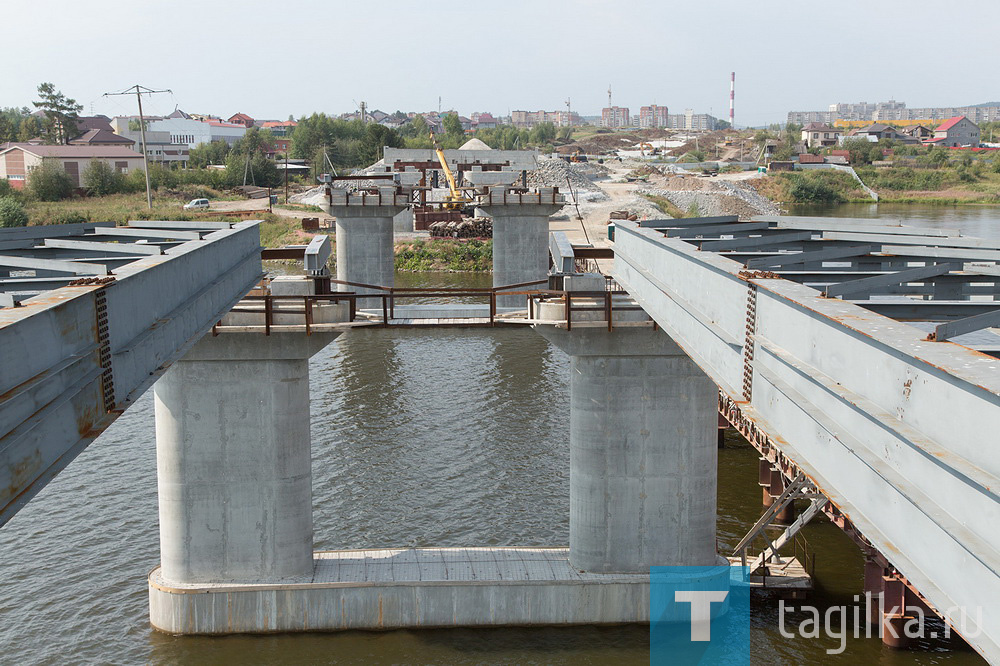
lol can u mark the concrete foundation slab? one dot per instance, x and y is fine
(400, 588)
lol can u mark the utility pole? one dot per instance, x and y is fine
(139, 91)
(286, 174)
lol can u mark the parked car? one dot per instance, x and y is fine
(195, 204)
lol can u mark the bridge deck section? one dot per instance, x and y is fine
(896, 429)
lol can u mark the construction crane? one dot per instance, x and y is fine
(455, 200)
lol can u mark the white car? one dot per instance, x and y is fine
(195, 204)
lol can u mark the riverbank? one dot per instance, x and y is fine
(903, 184)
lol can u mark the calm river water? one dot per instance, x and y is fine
(420, 438)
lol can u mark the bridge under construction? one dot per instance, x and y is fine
(857, 359)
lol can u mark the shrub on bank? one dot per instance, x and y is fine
(48, 182)
(12, 213)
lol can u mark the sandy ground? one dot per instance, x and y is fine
(261, 205)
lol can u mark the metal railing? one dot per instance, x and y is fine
(271, 306)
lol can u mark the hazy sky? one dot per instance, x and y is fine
(271, 59)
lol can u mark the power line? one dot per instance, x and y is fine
(139, 91)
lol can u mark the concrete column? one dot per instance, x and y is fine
(233, 459)
(365, 247)
(643, 452)
(520, 246)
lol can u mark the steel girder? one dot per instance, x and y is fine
(75, 357)
(898, 432)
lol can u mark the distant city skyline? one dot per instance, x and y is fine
(497, 58)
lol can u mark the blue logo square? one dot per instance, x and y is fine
(699, 615)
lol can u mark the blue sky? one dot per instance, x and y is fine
(271, 59)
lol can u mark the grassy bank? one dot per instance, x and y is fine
(810, 187)
(894, 184)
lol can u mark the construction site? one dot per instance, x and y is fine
(604, 177)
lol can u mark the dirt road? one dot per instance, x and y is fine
(261, 205)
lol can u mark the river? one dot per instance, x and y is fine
(420, 438)
(972, 220)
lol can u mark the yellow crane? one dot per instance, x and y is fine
(455, 199)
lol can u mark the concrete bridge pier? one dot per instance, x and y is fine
(365, 237)
(365, 246)
(643, 451)
(234, 463)
(520, 244)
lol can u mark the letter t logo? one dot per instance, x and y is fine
(701, 610)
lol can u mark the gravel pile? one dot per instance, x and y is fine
(313, 197)
(723, 198)
(554, 172)
(749, 194)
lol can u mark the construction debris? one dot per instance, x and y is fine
(470, 227)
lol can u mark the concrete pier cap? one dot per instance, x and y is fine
(520, 235)
(364, 225)
(643, 454)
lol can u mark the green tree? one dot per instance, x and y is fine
(542, 133)
(49, 182)
(204, 154)
(414, 128)
(862, 151)
(100, 178)
(61, 114)
(255, 140)
(12, 213)
(452, 125)
(29, 129)
(254, 169)
(376, 138)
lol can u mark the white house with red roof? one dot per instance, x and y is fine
(956, 132)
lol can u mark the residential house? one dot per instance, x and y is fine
(956, 132)
(877, 132)
(241, 119)
(18, 159)
(280, 128)
(483, 120)
(820, 135)
(101, 137)
(85, 123)
(921, 132)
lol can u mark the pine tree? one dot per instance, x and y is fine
(61, 112)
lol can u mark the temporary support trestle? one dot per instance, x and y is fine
(799, 488)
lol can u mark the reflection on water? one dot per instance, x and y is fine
(420, 438)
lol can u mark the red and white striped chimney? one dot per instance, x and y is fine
(732, 96)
